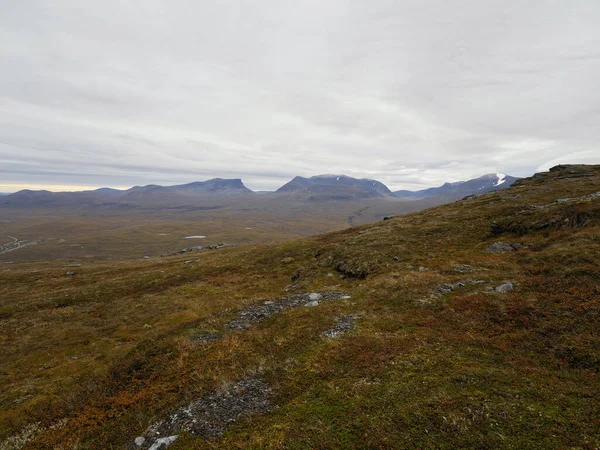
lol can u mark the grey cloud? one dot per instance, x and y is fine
(409, 92)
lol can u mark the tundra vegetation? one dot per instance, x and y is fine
(405, 333)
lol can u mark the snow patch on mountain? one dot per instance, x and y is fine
(501, 179)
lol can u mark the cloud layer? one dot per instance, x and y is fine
(410, 92)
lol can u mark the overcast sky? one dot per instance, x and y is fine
(410, 92)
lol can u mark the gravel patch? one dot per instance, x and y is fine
(344, 324)
(211, 415)
(256, 313)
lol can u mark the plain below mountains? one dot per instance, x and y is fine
(321, 187)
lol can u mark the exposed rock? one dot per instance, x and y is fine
(313, 303)
(423, 269)
(388, 217)
(211, 415)
(503, 247)
(593, 196)
(70, 274)
(447, 287)
(196, 248)
(463, 268)
(139, 441)
(163, 443)
(505, 287)
(565, 200)
(315, 296)
(220, 246)
(256, 313)
(287, 260)
(344, 324)
(351, 271)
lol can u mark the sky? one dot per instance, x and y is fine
(412, 93)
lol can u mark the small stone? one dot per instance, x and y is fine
(505, 287)
(188, 262)
(147, 325)
(163, 443)
(503, 247)
(329, 275)
(139, 441)
(463, 268)
(313, 303)
(287, 260)
(70, 274)
(315, 296)
(423, 269)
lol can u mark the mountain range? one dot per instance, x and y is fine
(320, 187)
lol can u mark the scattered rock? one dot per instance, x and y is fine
(447, 287)
(313, 303)
(220, 246)
(503, 247)
(147, 325)
(463, 268)
(344, 324)
(287, 260)
(423, 269)
(211, 415)
(505, 287)
(329, 275)
(163, 443)
(189, 261)
(256, 313)
(388, 217)
(139, 441)
(70, 274)
(593, 196)
(196, 248)
(314, 296)
(565, 200)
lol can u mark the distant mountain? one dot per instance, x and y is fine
(146, 195)
(334, 187)
(460, 189)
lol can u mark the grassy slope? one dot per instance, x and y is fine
(468, 369)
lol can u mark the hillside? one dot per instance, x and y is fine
(469, 325)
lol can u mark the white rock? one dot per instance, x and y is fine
(166, 441)
(506, 287)
(315, 296)
(139, 441)
(313, 303)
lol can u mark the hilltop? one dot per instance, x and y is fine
(467, 325)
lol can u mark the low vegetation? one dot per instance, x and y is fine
(429, 352)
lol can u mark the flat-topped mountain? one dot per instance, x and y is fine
(460, 189)
(108, 196)
(337, 187)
